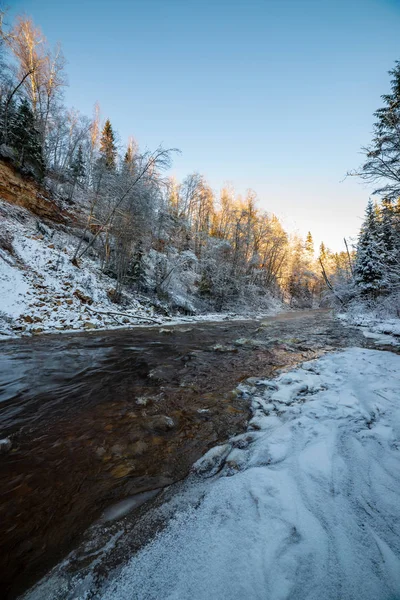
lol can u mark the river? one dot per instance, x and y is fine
(97, 418)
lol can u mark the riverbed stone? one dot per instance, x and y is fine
(160, 423)
(122, 470)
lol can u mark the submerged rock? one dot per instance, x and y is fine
(221, 348)
(5, 445)
(160, 423)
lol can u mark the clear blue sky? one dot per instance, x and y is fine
(275, 95)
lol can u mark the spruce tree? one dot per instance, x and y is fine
(108, 151)
(383, 155)
(368, 265)
(309, 245)
(26, 140)
(77, 166)
(128, 158)
(387, 235)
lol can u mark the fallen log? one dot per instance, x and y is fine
(121, 314)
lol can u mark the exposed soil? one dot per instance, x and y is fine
(23, 191)
(98, 417)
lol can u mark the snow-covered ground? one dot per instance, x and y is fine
(305, 504)
(42, 291)
(374, 326)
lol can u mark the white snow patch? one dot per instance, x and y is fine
(13, 289)
(308, 507)
(383, 330)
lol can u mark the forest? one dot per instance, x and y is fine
(182, 243)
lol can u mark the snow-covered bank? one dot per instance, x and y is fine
(304, 505)
(383, 330)
(41, 291)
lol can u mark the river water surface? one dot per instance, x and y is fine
(101, 421)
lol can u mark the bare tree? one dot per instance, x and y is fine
(117, 190)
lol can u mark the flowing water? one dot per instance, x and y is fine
(100, 422)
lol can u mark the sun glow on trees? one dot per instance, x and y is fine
(181, 241)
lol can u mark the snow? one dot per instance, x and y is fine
(13, 288)
(306, 504)
(374, 326)
(41, 291)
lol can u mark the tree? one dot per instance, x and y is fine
(387, 233)
(368, 267)
(130, 154)
(77, 166)
(309, 246)
(382, 165)
(322, 252)
(108, 150)
(25, 139)
(120, 188)
(26, 42)
(77, 169)
(40, 70)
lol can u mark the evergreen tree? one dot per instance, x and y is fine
(77, 170)
(77, 166)
(309, 245)
(322, 252)
(8, 111)
(368, 266)
(387, 234)
(128, 158)
(108, 151)
(138, 270)
(25, 139)
(383, 155)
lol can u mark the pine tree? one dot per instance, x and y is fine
(138, 269)
(383, 155)
(25, 139)
(309, 245)
(8, 111)
(368, 265)
(77, 170)
(387, 234)
(77, 166)
(108, 151)
(128, 158)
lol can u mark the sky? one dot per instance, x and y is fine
(273, 95)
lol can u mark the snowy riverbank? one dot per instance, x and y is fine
(382, 330)
(41, 291)
(305, 504)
